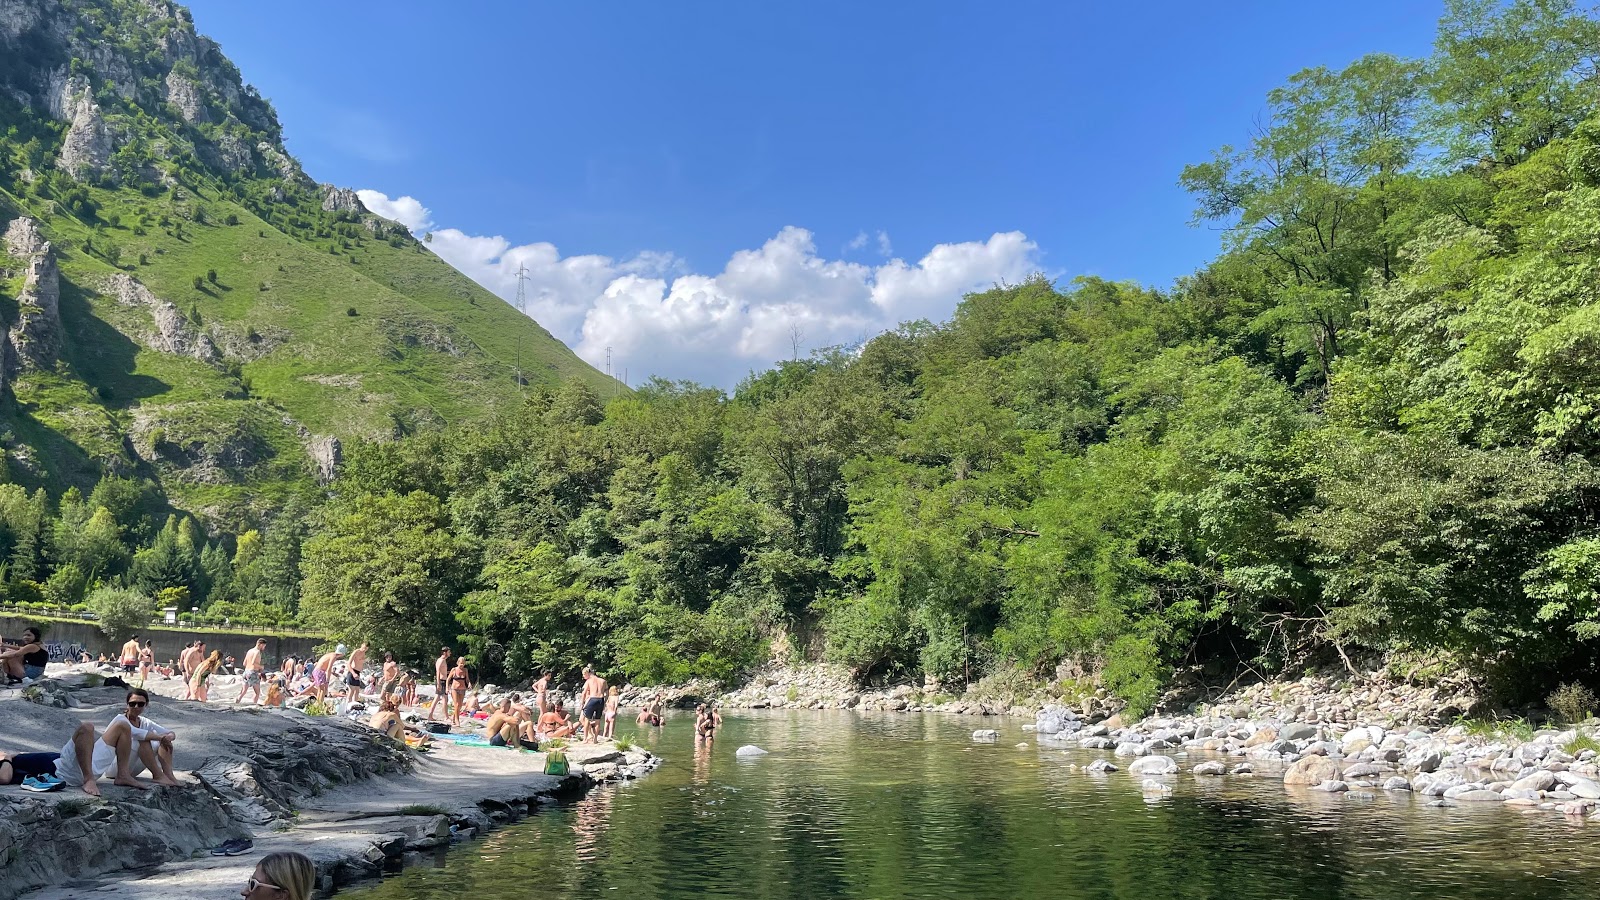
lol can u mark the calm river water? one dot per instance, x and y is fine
(906, 806)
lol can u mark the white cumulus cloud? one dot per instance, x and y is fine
(660, 318)
(408, 211)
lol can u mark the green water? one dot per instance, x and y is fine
(894, 805)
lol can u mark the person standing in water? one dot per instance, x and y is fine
(253, 670)
(592, 702)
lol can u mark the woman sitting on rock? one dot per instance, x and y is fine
(28, 660)
(130, 745)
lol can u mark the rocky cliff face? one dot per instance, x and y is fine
(34, 342)
(173, 331)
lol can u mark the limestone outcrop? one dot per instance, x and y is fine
(184, 94)
(173, 331)
(86, 150)
(338, 199)
(34, 342)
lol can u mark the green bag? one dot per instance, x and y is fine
(555, 763)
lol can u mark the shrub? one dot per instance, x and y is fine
(624, 745)
(121, 611)
(1572, 702)
(199, 283)
(211, 275)
(351, 311)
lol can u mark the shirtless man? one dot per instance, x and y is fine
(502, 727)
(352, 675)
(253, 670)
(554, 724)
(129, 657)
(391, 676)
(592, 702)
(324, 671)
(188, 661)
(441, 674)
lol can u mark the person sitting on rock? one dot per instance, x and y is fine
(26, 660)
(16, 767)
(554, 724)
(387, 719)
(502, 727)
(130, 745)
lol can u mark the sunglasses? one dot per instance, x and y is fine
(136, 703)
(254, 883)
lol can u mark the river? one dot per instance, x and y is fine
(898, 805)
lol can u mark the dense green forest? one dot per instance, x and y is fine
(1369, 426)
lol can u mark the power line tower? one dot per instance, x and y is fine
(522, 306)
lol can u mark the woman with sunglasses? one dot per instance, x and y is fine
(282, 875)
(130, 744)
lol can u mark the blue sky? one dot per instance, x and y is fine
(694, 183)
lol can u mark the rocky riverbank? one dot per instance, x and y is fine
(1554, 770)
(357, 803)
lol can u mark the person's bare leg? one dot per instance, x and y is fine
(162, 771)
(83, 748)
(121, 738)
(14, 667)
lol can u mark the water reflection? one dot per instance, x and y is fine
(862, 805)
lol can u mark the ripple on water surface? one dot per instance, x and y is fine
(906, 806)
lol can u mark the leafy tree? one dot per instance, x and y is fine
(384, 568)
(121, 612)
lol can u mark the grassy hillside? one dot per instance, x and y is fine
(296, 316)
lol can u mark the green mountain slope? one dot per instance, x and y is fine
(223, 321)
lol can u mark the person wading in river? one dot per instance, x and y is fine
(592, 703)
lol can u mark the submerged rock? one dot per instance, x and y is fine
(749, 750)
(1153, 765)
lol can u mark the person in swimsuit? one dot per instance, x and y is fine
(541, 693)
(387, 720)
(147, 661)
(352, 675)
(390, 680)
(129, 658)
(706, 722)
(502, 727)
(593, 702)
(323, 672)
(460, 681)
(197, 684)
(554, 724)
(441, 679)
(253, 670)
(613, 702)
(28, 660)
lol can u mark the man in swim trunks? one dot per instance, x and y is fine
(352, 675)
(391, 676)
(253, 670)
(324, 670)
(441, 673)
(593, 702)
(130, 656)
(502, 727)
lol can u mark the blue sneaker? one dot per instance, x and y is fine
(39, 786)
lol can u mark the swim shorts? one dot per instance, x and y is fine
(319, 677)
(591, 710)
(252, 678)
